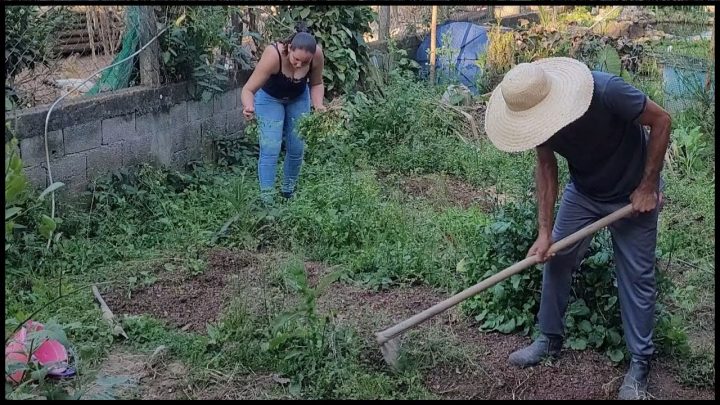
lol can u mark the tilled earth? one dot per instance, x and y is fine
(191, 302)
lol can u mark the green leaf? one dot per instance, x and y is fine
(283, 319)
(578, 344)
(304, 13)
(39, 375)
(277, 341)
(11, 212)
(295, 389)
(616, 355)
(50, 189)
(47, 226)
(460, 267)
(614, 337)
(326, 281)
(609, 60)
(507, 327)
(585, 326)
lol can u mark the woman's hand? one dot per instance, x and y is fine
(320, 108)
(249, 112)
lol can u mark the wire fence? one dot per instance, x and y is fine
(51, 50)
(415, 20)
(48, 49)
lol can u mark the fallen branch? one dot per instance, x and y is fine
(117, 330)
(470, 119)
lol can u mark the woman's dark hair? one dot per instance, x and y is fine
(301, 39)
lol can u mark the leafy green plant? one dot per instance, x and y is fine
(592, 317)
(188, 51)
(18, 200)
(689, 150)
(497, 59)
(394, 61)
(303, 337)
(609, 60)
(340, 31)
(446, 56)
(579, 15)
(242, 152)
(698, 369)
(540, 42)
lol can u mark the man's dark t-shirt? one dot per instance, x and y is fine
(606, 147)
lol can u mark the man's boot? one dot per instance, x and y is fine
(541, 348)
(635, 384)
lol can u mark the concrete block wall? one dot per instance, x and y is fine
(92, 135)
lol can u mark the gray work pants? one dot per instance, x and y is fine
(634, 240)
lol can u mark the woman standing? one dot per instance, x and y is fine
(280, 90)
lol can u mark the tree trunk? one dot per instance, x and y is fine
(150, 56)
(384, 23)
(711, 64)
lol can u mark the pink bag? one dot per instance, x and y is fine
(50, 353)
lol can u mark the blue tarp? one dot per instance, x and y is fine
(467, 42)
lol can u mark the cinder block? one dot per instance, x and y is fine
(70, 166)
(151, 123)
(104, 159)
(118, 129)
(178, 114)
(32, 150)
(37, 176)
(235, 121)
(199, 110)
(82, 137)
(136, 151)
(179, 159)
(215, 126)
(238, 98)
(186, 136)
(224, 102)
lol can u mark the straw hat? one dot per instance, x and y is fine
(535, 100)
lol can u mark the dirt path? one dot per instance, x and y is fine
(483, 374)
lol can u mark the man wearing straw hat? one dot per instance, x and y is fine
(595, 121)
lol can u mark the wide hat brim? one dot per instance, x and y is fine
(571, 91)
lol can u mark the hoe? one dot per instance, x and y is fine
(388, 338)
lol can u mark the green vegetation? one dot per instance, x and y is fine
(141, 224)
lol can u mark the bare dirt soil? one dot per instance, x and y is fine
(444, 190)
(486, 374)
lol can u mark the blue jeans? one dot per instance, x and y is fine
(277, 121)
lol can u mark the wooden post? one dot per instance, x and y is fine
(711, 67)
(433, 43)
(384, 23)
(150, 57)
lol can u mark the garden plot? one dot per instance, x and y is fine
(476, 368)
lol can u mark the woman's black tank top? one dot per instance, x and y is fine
(285, 88)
